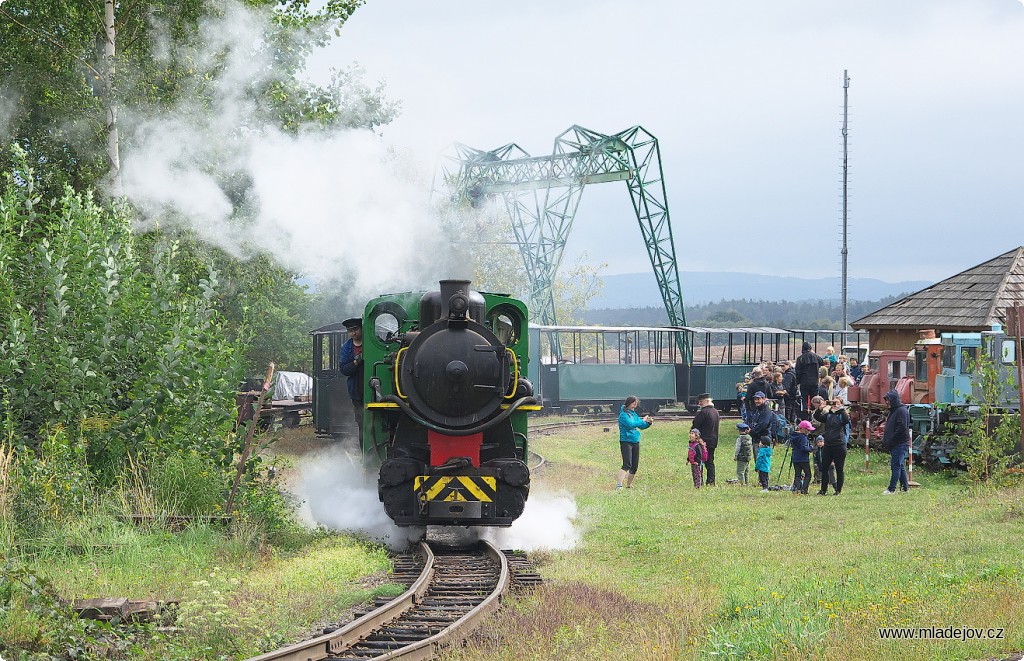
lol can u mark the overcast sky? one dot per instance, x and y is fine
(746, 100)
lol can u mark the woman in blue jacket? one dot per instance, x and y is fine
(630, 424)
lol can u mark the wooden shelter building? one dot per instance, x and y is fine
(970, 301)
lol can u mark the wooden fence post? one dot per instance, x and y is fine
(243, 459)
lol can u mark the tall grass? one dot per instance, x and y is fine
(7, 494)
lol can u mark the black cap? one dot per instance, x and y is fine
(703, 395)
(354, 322)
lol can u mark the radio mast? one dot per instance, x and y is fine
(846, 179)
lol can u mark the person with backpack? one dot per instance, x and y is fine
(762, 419)
(696, 456)
(744, 453)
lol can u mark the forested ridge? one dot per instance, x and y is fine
(821, 314)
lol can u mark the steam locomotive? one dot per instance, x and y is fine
(444, 421)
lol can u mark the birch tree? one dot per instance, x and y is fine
(71, 70)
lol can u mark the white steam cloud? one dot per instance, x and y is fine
(338, 494)
(327, 205)
(548, 522)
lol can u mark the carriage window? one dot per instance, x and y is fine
(385, 324)
(920, 365)
(968, 359)
(948, 357)
(325, 353)
(1008, 351)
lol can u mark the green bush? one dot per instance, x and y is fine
(104, 341)
(989, 443)
(273, 511)
(53, 486)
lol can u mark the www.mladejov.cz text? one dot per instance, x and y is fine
(941, 633)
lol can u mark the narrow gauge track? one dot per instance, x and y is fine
(448, 597)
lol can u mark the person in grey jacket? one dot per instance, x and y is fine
(896, 439)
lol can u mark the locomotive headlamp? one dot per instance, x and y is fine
(457, 306)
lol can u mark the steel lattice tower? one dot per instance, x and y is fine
(542, 194)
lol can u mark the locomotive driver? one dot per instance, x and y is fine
(352, 367)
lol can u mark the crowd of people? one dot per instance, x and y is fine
(791, 385)
(811, 393)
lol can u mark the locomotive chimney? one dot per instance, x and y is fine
(434, 305)
(450, 288)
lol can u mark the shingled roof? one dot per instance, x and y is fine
(969, 301)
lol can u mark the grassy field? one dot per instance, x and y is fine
(664, 571)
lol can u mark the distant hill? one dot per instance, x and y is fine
(635, 290)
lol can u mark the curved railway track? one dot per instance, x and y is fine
(450, 591)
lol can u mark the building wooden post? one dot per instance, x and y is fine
(1015, 320)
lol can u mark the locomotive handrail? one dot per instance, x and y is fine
(515, 374)
(398, 360)
(406, 409)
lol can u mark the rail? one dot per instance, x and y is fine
(454, 591)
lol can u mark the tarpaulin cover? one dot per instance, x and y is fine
(289, 385)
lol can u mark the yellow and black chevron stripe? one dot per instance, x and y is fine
(449, 488)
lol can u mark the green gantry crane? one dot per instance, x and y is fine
(542, 194)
